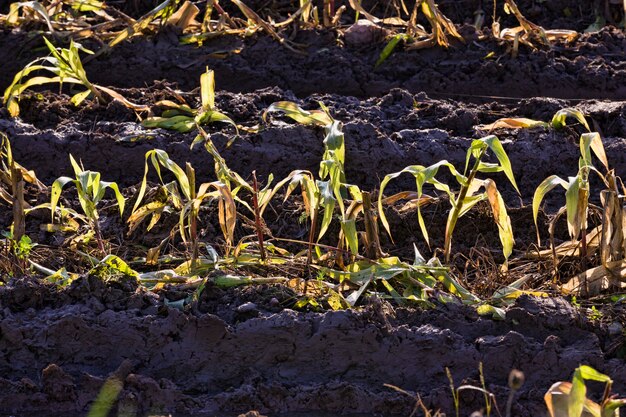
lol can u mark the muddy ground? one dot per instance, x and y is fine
(247, 348)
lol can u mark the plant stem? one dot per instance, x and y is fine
(371, 228)
(257, 215)
(19, 218)
(193, 215)
(312, 232)
(458, 205)
(99, 239)
(19, 226)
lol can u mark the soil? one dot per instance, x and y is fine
(58, 347)
(250, 348)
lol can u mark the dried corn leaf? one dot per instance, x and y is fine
(502, 219)
(532, 31)
(513, 123)
(309, 288)
(570, 248)
(595, 280)
(185, 16)
(557, 401)
(118, 97)
(394, 21)
(561, 35)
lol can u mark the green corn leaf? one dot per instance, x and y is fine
(80, 97)
(87, 5)
(121, 201)
(295, 112)
(349, 231)
(577, 395)
(576, 209)
(55, 193)
(610, 407)
(115, 263)
(495, 312)
(589, 373)
(423, 175)
(493, 143)
(390, 47)
(106, 398)
(560, 118)
(592, 142)
(544, 188)
(165, 122)
(327, 201)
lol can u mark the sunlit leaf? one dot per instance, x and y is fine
(560, 118)
(295, 112)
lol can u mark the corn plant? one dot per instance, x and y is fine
(182, 118)
(13, 177)
(182, 196)
(608, 238)
(569, 399)
(235, 183)
(330, 190)
(66, 67)
(468, 195)
(576, 187)
(90, 189)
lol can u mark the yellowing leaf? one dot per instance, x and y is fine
(513, 123)
(207, 90)
(295, 112)
(559, 119)
(505, 230)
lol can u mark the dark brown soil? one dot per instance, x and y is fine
(58, 347)
(247, 348)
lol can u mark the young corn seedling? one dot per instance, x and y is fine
(468, 195)
(90, 189)
(330, 190)
(182, 118)
(66, 67)
(569, 399)
(576, 188)
(182, 196)
(12, 181)
(608, 238)
(235, 183)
